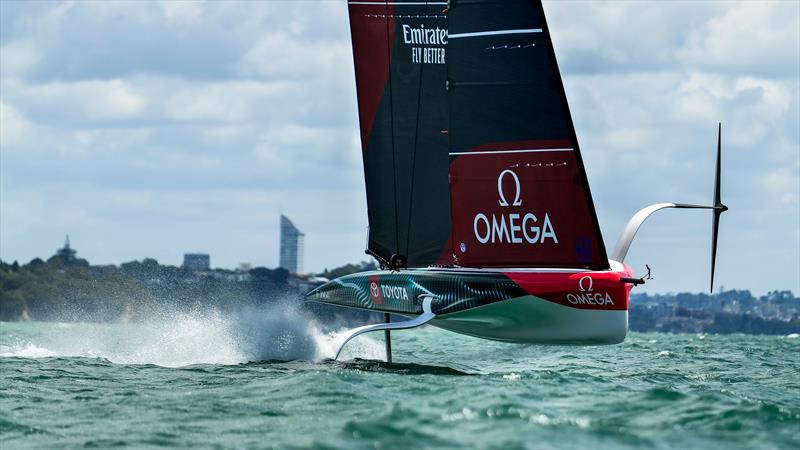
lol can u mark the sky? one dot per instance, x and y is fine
(155, 128)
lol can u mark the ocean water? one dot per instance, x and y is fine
(260, 379)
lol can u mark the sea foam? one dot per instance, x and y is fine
(275, 332)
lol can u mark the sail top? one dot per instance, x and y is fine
(470, 153)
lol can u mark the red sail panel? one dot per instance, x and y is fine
(372, 47)
(521, 208)
(518, 189)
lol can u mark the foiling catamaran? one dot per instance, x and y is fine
(480, 213)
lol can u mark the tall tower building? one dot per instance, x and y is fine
(291, 246)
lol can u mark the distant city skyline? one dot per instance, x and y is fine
(148, 129)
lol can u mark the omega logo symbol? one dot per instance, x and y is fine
(373, 289)
(582, 284)
(512, 227)
(585, 284)
(503, 201)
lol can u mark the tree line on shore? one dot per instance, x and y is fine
(70, 289)
(66, 288)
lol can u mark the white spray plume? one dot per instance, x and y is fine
(274, 332)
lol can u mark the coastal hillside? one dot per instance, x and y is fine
(69, 289)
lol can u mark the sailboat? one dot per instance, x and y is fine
(480, 212)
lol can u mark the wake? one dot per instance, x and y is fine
(276, 332)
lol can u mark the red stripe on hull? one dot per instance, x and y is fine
(582, 290)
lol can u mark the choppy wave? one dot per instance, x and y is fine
(277, 332)
(78, 385)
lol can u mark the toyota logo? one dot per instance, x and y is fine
(373, 289)
(501, 194)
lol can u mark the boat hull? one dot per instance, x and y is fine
(559, 306)
(530, 319)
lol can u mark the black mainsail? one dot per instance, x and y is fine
(469, 149)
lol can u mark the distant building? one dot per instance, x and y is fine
(291, 257)
(67, 257)
(244, 267)
(197, 261)
(66, 253)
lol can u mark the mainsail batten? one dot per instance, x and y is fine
(470, 152)
(494, 33)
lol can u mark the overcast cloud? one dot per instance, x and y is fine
(157, 128)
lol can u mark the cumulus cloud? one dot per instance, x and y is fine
(153, 128)
(753, 36)
(17, 57)
(13, 127)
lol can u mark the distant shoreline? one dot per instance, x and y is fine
(72, 290)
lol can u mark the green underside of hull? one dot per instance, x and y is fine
(531, 320)
(536, 321)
